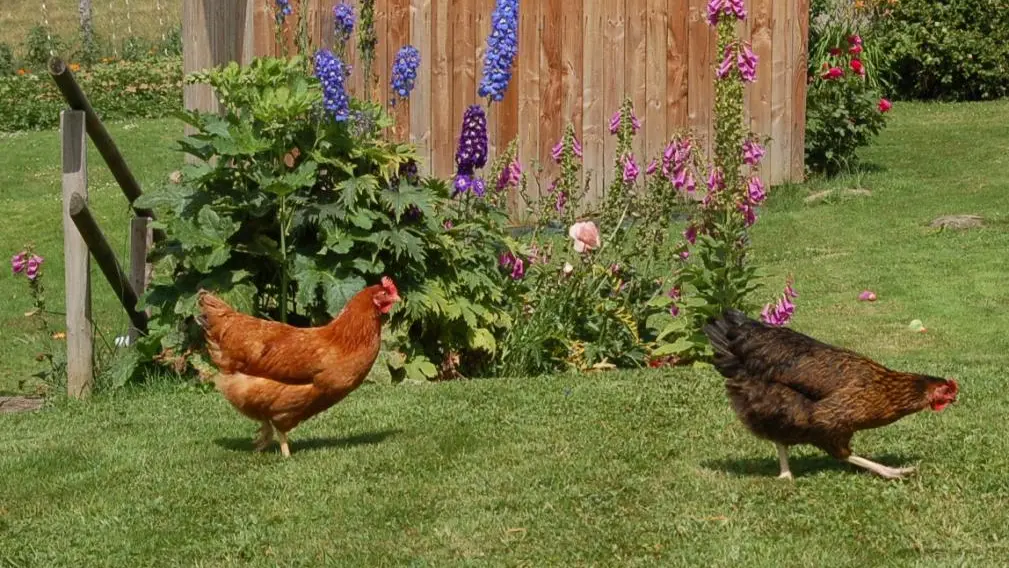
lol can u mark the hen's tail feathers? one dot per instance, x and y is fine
(722, 332)
(211, 308)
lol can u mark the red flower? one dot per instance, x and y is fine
(835, 51)
(855, 40)
(855, 49)
(885, 105)
(833, 73)
(857, 67)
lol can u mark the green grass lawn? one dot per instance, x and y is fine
(620, 469)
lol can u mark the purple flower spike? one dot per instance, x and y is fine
(630, 169)
(472, 151)
(755, 190)
(747, 61)
(752, 152)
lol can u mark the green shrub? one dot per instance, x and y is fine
(118, 91)
(843, 111)
(39, 46)
(945, 49)
(300, 211)
(8, 64)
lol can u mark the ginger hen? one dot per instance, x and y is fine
(281, 375)
(791, 389)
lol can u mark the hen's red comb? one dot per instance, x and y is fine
(389, 286)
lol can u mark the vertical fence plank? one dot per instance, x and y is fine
(636, 65)
(529, 79)
(676, 67)
(463, 66)
(796, 170)
(780, 149)
(442, 122)
(572, 56)
(614, 42)
(654, 123)
(77, 260)
(762, 88)
(399, 36)
(701, 89)
(482, 25)
(594, 119)
(551, 84)
(420, 101)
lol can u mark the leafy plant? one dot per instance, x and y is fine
(39, 46)
(292, 209)
(832, 22)
(715, 270)
(8, 64)
(948, 50)
(843, 111)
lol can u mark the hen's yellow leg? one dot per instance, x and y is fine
(265, 436)
(284, 449)
(786, 473)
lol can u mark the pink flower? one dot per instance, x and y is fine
(857, 67)
(716, 180)
(518, 270)
(885, 105)
(447, 224)
(33, 266)
(780, 313)
(747, 61)
(557, 151)
(585, 235)
(561, 201)
(855, 49)
(652, 166)
(690, 234)
(684, 254)
(18, 262)
(755, 190)
(752, 152)
(726, 65)
(630, 169)
(576, 146)
(855, 40)
(511, 175)
(749, 215)
(833, 73)
(615, 122)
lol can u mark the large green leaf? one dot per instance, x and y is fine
(338, 286)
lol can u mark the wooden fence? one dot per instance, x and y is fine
(575, 64)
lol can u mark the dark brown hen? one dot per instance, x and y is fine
(791, 389)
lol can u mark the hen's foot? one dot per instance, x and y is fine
(880, 469)
(265, 437)
(284, 449)
(786, 473)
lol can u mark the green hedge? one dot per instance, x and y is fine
(945, 49)
(118, 90)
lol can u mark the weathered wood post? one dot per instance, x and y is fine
(80, 338)
(141, 238)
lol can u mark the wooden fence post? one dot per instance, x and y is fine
(80, 338)
(141, 238)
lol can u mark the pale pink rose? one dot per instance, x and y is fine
(585, 235)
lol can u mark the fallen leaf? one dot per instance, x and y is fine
(59, 335)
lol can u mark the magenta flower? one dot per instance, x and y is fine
(727, 61)
(728, 7)
(577, 147)
(755, 190)
(557, 151)
(855, 40)
(752, 152)
(615, 122)
(33, 266)
(684, 254)
(447, 224)
(674, 293)
(749, 215)
(630, 169)
(511, 175)
(833, 73)
(652, 166)
(747, 61)
(18, 262)
(517, 266)
(716, 180)
(867, 296)
(690, 234)
(780, 313)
